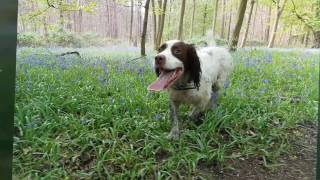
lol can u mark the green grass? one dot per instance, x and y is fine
(76, 119)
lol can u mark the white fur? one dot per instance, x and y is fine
(171, 61)
(216, 65)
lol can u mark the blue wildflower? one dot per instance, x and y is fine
(157, 117)
(265, 81)
(105, 70)
(226, 84)
(262, 91)
(140, 71)
(268, 59)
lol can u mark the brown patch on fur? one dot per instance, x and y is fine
(188, 55)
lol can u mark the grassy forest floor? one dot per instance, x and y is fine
(92, 116)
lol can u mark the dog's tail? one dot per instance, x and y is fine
(210, 38)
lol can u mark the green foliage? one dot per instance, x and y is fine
(60, 38)
(92, 117)
(30, 40)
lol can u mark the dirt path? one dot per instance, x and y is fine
(299, 165)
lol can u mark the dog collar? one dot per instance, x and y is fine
(180, 87)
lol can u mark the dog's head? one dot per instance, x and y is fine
(176, 60)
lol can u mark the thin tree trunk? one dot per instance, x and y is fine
(248, 24)
(290, 36)
(236, 32)
(159, 16)
(183, 5)
(169, 18)
(161, 25)
(267, 33)
(306, 40)
(214, 23)
(61, 18)
(45, 27)
(276, 22)
(144, 30)
(192, 20)
(229, 22)
(131, 22)
(316, 35)
(107, 26)
(204, 18)
(223, 19)
(154, 24)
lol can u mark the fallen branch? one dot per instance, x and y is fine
(68, 53)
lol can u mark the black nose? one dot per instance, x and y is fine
(160, 59)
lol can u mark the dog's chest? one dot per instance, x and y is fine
(185, 96)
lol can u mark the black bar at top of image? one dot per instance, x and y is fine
(8, 39)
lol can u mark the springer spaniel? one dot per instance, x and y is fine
(190, 76)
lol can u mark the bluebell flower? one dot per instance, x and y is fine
(157, 117)
(105, 69)
(138, 110)
(262, 91)
(226, 84)
(140, 71)
(265, 81)
(268, 58)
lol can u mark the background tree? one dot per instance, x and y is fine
(161, 23)
(144, 31)
(236, 32)
(279, 9)
(183, 6)
(252, 2)
(214, 22)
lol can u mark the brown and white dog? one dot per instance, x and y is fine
(190, 76)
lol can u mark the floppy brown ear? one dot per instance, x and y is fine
(193, 66)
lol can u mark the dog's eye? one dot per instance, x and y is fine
(177, 51)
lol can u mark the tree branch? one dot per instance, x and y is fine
(51, 5)
(300, 17)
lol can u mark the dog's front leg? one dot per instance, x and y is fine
(174, 133)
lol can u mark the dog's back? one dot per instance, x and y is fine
(216, 64)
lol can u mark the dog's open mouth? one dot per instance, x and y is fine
(166, 79)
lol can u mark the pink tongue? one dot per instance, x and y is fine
(162, 82)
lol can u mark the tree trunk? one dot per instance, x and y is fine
(161, 24)
(154, 25)
(107, 25)
(276, 22)
(169, 19)
(236, 32)
(214, 23)
(306, 40)
(229, 23)
(79, 18)
(243, 42)
(267, 33)
(222, 21)
(183, 5)
(192, 21)
(204, 18)
(144, 30)
(45, 27)
(131, 22)
(290, 36)
(316, 35)
(61, 18)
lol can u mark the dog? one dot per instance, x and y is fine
(191, 76)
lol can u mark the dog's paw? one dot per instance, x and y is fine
(173, 135)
